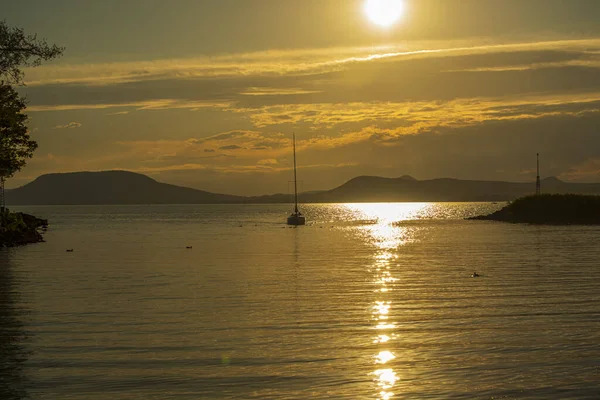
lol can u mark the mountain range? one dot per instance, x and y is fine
(122, 187)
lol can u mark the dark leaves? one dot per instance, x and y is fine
(15, 144)
(18, 50)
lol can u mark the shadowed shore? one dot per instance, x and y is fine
(18, 229)
(549, 209)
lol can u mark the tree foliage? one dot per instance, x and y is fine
(15, 144)
(18, 50)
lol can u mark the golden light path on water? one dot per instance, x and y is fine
(388, 235)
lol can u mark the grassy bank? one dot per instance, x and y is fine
(550, 209)
(17, 229)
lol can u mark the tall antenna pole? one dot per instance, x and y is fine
(538, 182)
(2, 202)
(295, 179)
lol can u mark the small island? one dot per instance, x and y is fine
(549, 209)
(18, 229)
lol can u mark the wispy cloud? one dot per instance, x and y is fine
(70, 125)
(163, 104)
(413, 116)
(501, 148)
(588, 171)
(269, 161)
(244, 143)
(277, 63)
(236, 169)
(231, 147)
(259, 91)
(276, 82)
(396, 106)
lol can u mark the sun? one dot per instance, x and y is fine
(384, 12)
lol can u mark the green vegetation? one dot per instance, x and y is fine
(550, 209)
(17, 50)
(18, 229)
(15, 144)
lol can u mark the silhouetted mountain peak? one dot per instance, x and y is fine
(109, 187)
(77, 177)
(364, 178)
(123, 187)
(407, 178)
(552, 179)
(370, 179)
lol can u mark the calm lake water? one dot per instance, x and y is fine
(369, 301)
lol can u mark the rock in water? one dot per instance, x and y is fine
(18, 229)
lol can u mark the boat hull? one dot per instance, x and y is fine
(296, 220)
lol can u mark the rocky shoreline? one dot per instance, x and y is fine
(549, 209)
(19, 229)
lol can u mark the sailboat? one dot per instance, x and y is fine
(296, 218)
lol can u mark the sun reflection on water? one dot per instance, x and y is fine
(389, 212)
(387, 235)
(383, 325)
(386, 379)
(384, 356)
(382, 339)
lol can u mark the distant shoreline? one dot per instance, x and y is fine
(126, 188)
(245, 203)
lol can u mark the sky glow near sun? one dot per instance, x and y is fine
(384, 13)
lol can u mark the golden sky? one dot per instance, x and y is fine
(207, 93)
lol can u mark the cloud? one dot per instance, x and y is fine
(225, 136)
(500, 148)
(424, 109)
(190, 150)
(257, 91)
(247, 139)
(70, 125)
(239, 169)
(587, 171)
(279, 62)
(379, 126)
(396, 74)
(161, 104)
(270, 161)
(416, 117)
(274, 62)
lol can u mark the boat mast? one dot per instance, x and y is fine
(538, 183)
(295, 179)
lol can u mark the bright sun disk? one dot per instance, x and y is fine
(384, 12)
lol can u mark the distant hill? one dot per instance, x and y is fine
(121, 187)
(376, 189)
(109, 187)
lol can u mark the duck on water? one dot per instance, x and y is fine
(296, 218)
